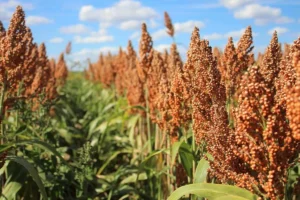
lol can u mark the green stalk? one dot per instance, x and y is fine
(148, 122)
(2, 99)
(194, 163)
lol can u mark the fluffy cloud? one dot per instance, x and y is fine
(280, 30)
(188, 26)
(121, 12)
(161, 33)
(250, 9)
(56, 40)
(92, 54)
(213, 36)
(261, 14)
(181, 27)
(75, 29)
(35, 20)
(135, 35)
(130, 24)
(232, 4)
(234, 34)
(95, 37)
(7, 8)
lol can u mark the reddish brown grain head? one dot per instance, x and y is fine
(13, 48)
(145, 56)
(168, 24)
(293, 101)
(68, 48)
(61, 70)
(2, 30)
(269, 67)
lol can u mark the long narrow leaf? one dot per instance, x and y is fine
(213, 192)
(32, 171)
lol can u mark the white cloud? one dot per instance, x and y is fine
(13, 4)
(95, 37)
(5, 15)
(280, 30)
(35, 20)
(92, 54)
(188, 26)
(122, 11)
(56, 40)
(130, 24)
(159, 34)
(135, 35)
(261, 14)
(153, 23)
(213, 36)
(234, 34)
(232, 4)
(206, 5)
(251, 9)
(8, 7)
(75, 29)
(180, 27)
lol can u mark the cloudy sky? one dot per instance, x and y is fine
(104, 25)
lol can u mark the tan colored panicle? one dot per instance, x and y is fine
(293, 101)
(30, 67)
(52, 63)
(174, 62)
(153, 83)
(244, 50)
(13, 48)
(2, 30)
(2, 34)
(61, 70)
(259, 59)
(135, 90)
(270, 65)
(68, 48)
(286, 49)
(168, 24)
(230, 68)
(44, 64)
(263, 131)
(192, 58)
(120, 67)
(37, 81)
(30, 61)
(145, 56)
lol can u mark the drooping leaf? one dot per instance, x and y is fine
(213, 192)
(32, 171)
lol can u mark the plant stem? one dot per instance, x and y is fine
(148, 121)
(2, 100)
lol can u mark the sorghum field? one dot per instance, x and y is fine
(145, 125)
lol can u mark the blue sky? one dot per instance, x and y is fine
(96, 26)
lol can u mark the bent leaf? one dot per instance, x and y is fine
(213, 192)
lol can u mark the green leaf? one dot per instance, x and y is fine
(4, 147)
(111, 158)
(43, 145)
(32, 171)
(187, 157)
(174, 151)
(201, 171)
(145, 161)
(213, 192)
(10, 190)
(134, 177)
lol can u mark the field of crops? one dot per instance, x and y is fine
(224, 124)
